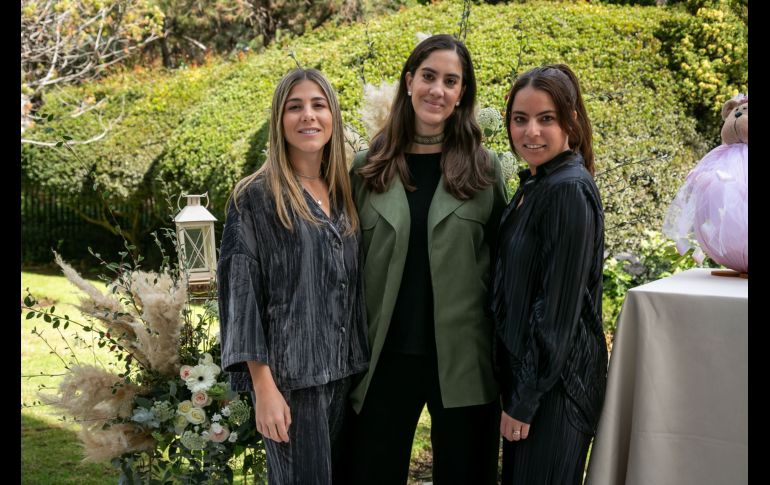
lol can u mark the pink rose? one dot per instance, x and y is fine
(201, 399)
(218, 433)
(184, 371)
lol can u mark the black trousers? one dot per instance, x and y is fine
(465, 440)
(555, 451)
(315, 436)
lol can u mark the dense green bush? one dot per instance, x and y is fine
(708, 54)
(201, 129)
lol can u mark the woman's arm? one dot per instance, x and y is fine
(272, 414)
(566, 229)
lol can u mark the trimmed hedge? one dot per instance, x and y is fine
(201, 129)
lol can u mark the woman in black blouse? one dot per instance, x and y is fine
(291, 299)
(547, 289)
(429, 196)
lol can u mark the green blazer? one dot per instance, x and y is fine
(459, 238)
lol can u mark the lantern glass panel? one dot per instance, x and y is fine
(193, 249)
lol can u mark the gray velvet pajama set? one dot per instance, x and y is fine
(293, 299)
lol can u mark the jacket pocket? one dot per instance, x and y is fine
(473, 211)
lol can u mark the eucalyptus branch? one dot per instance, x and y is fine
(66, 342)
(24, 376)
(662, 157)
(53, 349)
(464, 20)
(369, 54)
(625, 223)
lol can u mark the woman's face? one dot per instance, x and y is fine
(307, 120)
(436, 87)
(535, 130)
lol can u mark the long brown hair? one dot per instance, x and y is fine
(464, 162)
(563, 86)
(278, 170)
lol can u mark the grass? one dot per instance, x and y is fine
(50, 451)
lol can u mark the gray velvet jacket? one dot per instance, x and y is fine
(291, 299)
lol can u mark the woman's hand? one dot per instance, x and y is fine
(513, 429)
(271, 412)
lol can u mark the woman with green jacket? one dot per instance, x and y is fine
(429, 198)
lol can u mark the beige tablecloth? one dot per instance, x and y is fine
(676, 408)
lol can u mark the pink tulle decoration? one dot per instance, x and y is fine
(712, 207)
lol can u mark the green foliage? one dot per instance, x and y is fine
(708, 54)
(202, 129)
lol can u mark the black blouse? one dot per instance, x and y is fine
(411, 329)
(547, 292)
(291, 299)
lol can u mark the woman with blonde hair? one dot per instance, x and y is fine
(291, 299)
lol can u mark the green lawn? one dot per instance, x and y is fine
(50, 451)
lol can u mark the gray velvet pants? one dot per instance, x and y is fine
(318, 415)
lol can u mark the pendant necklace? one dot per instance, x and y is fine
(312, 194)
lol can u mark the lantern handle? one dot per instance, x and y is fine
(205, 194)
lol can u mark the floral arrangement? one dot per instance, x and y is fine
(169, 413)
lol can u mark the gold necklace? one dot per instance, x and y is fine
(309, 177)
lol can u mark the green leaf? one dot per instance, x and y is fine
(47, 318)
(30, 315)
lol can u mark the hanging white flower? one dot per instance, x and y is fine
(421, 36)
(490, 120)
(507, 164)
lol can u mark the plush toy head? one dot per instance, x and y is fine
(735, 112)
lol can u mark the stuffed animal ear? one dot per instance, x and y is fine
(728, 107)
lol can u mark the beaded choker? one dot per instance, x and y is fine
(429, 140)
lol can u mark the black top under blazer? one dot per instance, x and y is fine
(547, 293)
(292, 299)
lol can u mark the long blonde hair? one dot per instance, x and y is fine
(278, 170)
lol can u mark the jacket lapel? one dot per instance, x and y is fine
(394, 208)
(442, 204)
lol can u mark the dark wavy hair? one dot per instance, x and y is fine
(464, 163)
(560, 82)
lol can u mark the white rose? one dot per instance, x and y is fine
(180, 423)
(196, 416)
(184, 407)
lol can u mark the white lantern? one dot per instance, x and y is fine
(195, 234)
